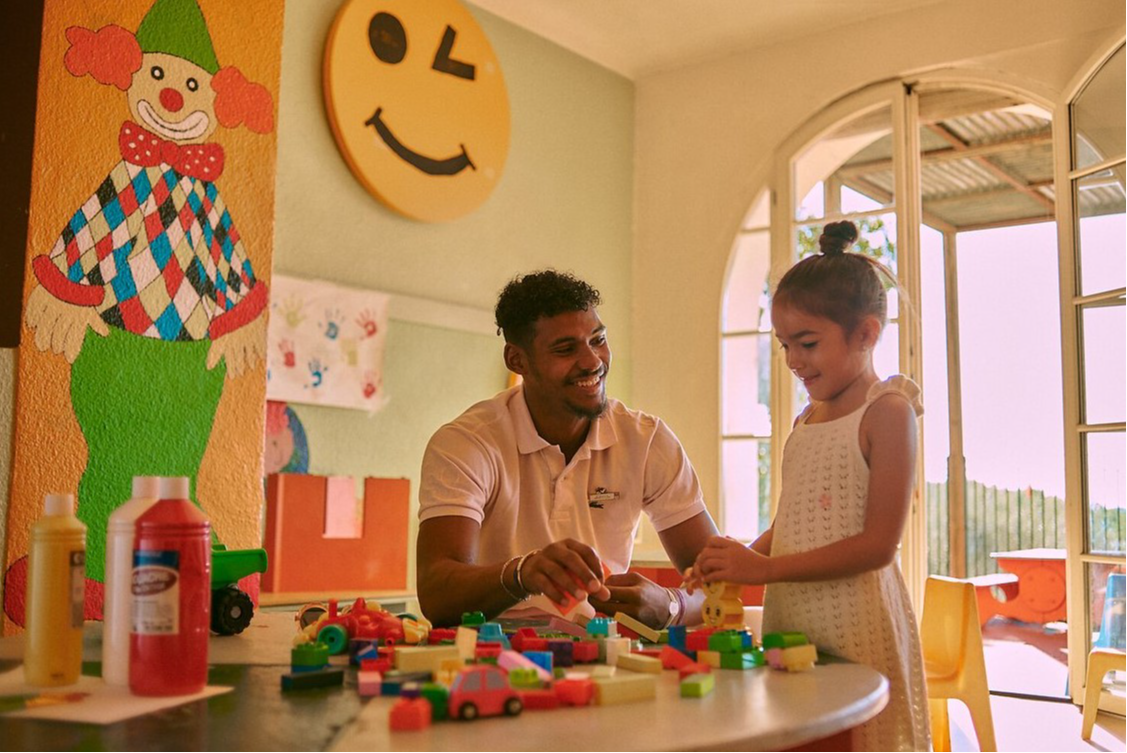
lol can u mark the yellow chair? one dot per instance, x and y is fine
(1100, 662)
(954, 665)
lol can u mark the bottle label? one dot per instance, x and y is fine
(77, 587)
(156, 592)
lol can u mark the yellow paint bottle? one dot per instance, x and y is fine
(56, 590)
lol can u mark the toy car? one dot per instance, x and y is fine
(483, 690)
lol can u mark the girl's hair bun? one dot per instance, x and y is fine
(837, 237)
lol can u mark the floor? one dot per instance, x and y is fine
(1025, 658)
(1022, 725)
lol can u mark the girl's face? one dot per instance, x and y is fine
(821, 354)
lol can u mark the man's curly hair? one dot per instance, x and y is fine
(539, 294)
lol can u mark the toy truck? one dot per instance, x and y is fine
(231, 607)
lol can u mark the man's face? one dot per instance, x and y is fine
(567, 364)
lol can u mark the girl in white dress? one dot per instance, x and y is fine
(829, 556)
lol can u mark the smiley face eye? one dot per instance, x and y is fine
(387, 38)
(157, 72)
(443, 63)
(192, 84)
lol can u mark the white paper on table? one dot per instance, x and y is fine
(105, 705)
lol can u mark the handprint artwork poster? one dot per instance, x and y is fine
(326, 344)
(146, 314)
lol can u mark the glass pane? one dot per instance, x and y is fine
(886, 356)
(1098, 115)
(746, 296)
(1105, 363)
(747, 494)
(1009, 338)
(1103, 477)
(1100, 205)
(1106, 600)
(857, 155)
(877, 239)
(747, 385)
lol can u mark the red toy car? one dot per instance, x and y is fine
(483, 690)
(335, 629)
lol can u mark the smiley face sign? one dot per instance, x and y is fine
(417, 104)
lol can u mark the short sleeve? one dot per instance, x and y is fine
(672, 492)
(458, 476)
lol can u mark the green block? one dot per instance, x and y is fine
(784, 640)
(697, 686)
(742, 659)
(725, 641)
(663, 637)
(524, 677)
(437, 696)
(473, 619)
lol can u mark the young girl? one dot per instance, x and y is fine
(848, 471)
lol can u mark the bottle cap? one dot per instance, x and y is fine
(146, 487)
(174, 487)
(58, 504)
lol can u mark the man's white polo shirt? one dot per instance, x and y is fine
(490, 465)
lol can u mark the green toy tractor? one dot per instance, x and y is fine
(231, 607)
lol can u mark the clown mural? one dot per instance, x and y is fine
(149, 284)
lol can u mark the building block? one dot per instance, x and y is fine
(671, 658)
(473, 619)
(741, 659)
(638, 663)
(410, 714)
(487, 652)
(560, 625)
(625, 688)
(693, 668)
(394, 681)
(677, 634)
(441, 636)
(784, 640)
(697, 640)
(711, 658)
(774, 657)
(535, 644)
(318, 678)
(297, 548)
(563, 652)
(424, 659)
(539, 699)
(510, 660)
(575, 691)
(465, 640)
(613, 648)
(309, 657)
(799, 658)
(517, 639)
(523, 678)
(542, 659)
(602, 626)
(368, 684)
(697, 686)
(644, 631)
(602, 670)
(585, 652)
(437, 696)
(490, 632)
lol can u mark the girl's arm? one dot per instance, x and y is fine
(763, 543)
(889, 431)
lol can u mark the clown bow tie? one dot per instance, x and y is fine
(140, 147)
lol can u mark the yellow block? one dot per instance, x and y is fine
(641, 629)
(624, 688)
(711, 658)
(800, 658)
(639, 663)
(424, 659)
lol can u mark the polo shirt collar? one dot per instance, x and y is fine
(601, 435)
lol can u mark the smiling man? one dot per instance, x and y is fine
(536, 493)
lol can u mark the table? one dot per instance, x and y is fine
(1039, 594)
(760, 709)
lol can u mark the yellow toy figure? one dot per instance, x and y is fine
(722, 606)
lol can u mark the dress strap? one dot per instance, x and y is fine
(898, 385)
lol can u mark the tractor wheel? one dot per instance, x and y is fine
(231, 611)
(335, 637)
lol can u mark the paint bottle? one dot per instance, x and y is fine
(171, 589)
(56, 592)
(119, 579)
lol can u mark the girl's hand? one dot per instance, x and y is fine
(729, 560)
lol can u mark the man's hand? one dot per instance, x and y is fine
(637, 596)
(729, 560)
(566, 566)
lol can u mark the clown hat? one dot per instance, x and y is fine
(177, 27)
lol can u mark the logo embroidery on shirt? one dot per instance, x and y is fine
(600, 496)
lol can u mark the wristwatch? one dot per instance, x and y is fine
(674, 607)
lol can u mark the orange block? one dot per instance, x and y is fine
(302, 558)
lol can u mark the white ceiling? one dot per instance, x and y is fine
(639, 37)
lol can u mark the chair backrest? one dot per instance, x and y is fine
(949, 630)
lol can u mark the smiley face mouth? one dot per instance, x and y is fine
(190, 127)
(429, 165)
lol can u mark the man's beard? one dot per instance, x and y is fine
(591, 413)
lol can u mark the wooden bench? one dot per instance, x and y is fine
(987, 602)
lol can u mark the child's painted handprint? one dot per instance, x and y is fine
(288, 357)
(372, 383)
(332, 323)
(317, 371)
(349, 347)
(367, 323)
(292, 311)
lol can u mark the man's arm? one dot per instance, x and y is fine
(450, 582)
(648, 602)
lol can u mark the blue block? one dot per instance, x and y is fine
(490, 632)
(599, 626)
(677, 635)
(541, 659)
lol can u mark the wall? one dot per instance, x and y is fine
(564, 201)
(705, 138)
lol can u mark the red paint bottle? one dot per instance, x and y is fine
(171, 587)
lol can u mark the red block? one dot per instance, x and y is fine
(518, 640)
(697, 640)
(575, 691)
(540, 700)
(585, 652)
(487, 651)
(653, 653)
(625, 632)
(693, 668)
(409, 714)
(437, 635)
(534, 644)
(671, 658)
